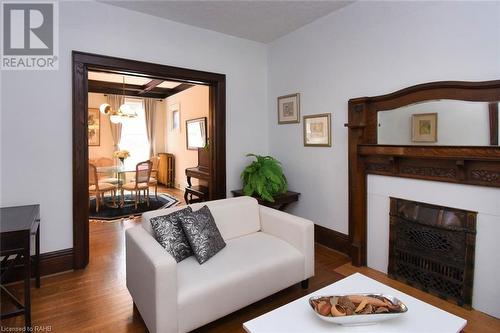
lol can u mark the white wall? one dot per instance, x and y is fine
(459, 123)
(367, 49)
(483, 200)
(36, 130)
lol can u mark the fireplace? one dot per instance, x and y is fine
(432, 248)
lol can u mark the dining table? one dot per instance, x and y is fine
(120, 173)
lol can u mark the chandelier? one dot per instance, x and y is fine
(123, 112)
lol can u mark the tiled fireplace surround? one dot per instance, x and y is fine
(484, 200)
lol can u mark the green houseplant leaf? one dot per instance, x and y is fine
(264, 177)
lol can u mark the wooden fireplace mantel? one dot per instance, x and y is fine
(454, 164)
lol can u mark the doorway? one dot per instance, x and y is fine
(85, 62)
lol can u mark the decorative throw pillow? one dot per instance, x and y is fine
(168, 232)
(202, 233)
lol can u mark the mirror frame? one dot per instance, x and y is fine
(456, 164)
(203, 122)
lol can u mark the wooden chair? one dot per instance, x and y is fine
(141, 183)
(107, 177)
(153, 180)
(98, 188)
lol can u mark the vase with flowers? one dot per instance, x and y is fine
(121, 155)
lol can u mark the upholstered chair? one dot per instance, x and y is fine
(107, 177)
(153, 180)
(141, 183)
(99, 188)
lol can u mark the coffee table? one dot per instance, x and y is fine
(297, 316)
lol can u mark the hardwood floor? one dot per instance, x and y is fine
(96, 299)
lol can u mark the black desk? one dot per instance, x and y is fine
(17, 226)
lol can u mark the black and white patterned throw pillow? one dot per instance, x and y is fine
(169, 233)
(202, 234)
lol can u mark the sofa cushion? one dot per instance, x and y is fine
(202, 234)
(248, 269)
(168, 232)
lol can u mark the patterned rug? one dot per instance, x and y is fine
(107, 212)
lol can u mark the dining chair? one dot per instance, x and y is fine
(153, 180)
(108, 177)
(141, 183)
(99, 188)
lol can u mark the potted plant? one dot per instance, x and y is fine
(264, 177)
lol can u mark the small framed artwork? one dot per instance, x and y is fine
(94, 127)
(317, 130)
(175, 116)
(196, 133)
(424, 127)
(289, 109)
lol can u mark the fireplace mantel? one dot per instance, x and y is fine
(455, 164)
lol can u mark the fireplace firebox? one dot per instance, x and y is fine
(432, 248)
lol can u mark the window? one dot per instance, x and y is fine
(134, 137)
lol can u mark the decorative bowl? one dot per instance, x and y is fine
(357, 309)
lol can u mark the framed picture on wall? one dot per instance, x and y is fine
(94, 127)
(196, 133)
(175, 116)
(317, 130)
(289, 109)
(424, 127)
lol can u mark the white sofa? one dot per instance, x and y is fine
(267, 250)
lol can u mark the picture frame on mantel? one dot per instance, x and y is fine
(289, 109)
(94, 127)
(424, 127)
(318, 130)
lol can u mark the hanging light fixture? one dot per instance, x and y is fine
(124, 107)
(105, 108)
(115, 118)
(124, 111)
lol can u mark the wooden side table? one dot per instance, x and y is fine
(17, 226)
(280, 202)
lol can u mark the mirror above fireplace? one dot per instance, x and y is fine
(440, 122)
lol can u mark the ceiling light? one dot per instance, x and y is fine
(105, 108)
(123, 112)
(115, 118)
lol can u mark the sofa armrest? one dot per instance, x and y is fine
(151, 280)
(295, 230)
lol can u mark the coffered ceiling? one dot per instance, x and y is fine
(113, 83)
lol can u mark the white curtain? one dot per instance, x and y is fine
(116, 129)
(149, 113)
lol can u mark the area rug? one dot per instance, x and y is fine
(110, 213)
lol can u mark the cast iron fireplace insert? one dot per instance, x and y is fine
(432, 248)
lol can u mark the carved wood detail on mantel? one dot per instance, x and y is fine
(451, 164)
(454, 164)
